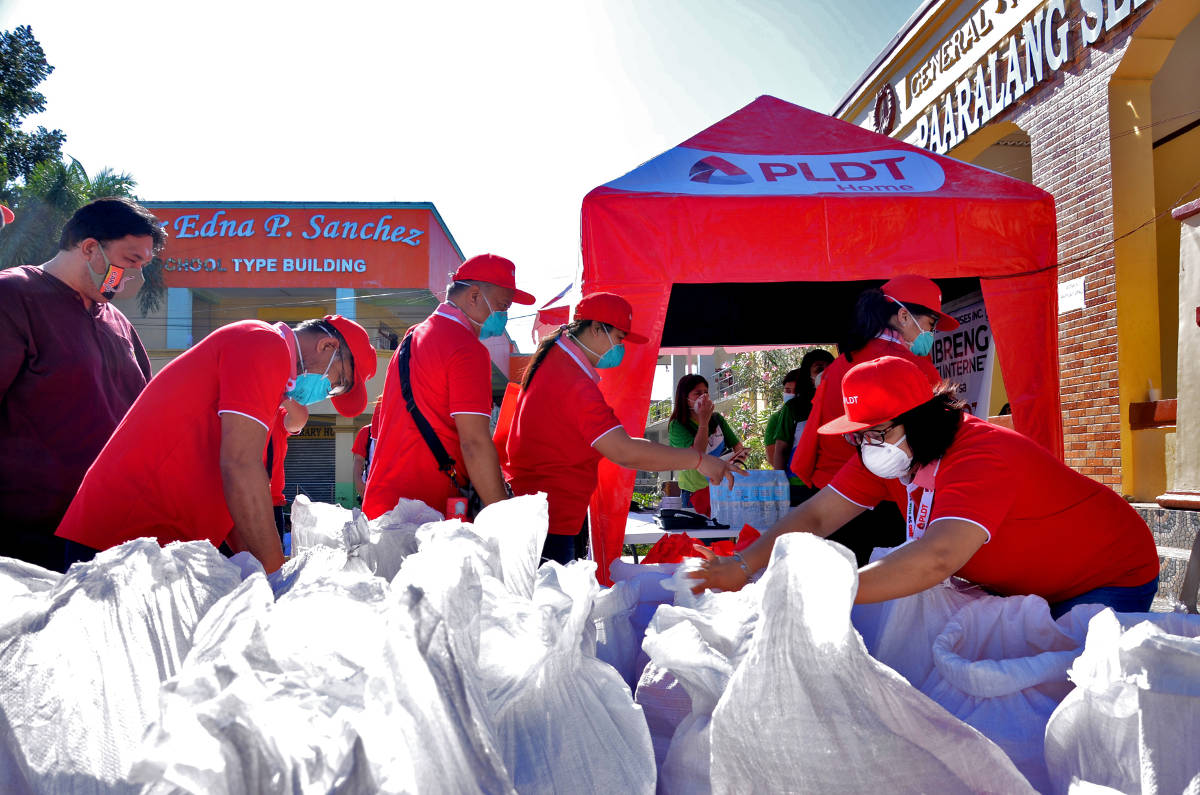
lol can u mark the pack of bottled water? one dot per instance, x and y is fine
(759, 498)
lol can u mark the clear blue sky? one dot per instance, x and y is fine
(502, 114)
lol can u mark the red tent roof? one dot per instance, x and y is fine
(779, 193)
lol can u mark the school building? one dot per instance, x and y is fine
(1094, 101)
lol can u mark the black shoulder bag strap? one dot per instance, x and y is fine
(444, 461)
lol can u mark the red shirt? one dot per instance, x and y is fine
(451, 374)
(160, 474)
(1052, 531)
(67, 376)
(277, 442)
(818, 457)
(558, 418)
(360, 441)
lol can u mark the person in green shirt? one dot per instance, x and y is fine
(785, 425)
(694, 424)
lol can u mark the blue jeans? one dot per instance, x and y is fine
(1127, 599)
(685, 498)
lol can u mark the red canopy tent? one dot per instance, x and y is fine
(781, 194)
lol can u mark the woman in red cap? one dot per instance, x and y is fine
(983, 503)
(562, 426)
(897, 319)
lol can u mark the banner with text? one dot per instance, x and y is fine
(965, 356)
(232, 245)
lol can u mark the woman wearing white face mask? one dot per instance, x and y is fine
(982, 502)
(898, 319)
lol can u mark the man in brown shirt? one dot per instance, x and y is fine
(70, 366)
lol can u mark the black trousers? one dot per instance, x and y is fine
(566, 548)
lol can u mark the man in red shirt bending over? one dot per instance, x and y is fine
(186, 463)
(451, 376)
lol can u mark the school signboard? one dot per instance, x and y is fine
(288, 244)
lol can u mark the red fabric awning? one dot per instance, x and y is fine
(776, 192)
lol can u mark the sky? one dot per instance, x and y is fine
(504, 115)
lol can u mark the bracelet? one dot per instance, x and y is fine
(738, 557)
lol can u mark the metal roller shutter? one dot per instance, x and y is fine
(309, 469)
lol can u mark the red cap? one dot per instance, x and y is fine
(913, 289)
(6, 216)
(611, 309)
(352, 402)
(495, 270)
(877, 391)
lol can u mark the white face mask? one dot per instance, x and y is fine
(787, 396)
(886, 460)
(817, 378)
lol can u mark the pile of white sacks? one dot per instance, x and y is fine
(411, 654)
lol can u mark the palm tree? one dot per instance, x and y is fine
(54, 190)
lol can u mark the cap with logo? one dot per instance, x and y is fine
(353, 401)
(913, 289)
(611, 309)
(493, 269)
(877, 391)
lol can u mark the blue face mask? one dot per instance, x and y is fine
(611, 357)
(494, 325)
(923, 344)
(311, 388)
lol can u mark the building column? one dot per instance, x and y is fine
(346, 303)
(179, 318)
(1143, 473)
(1185, 492)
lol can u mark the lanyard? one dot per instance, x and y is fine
(918, 520)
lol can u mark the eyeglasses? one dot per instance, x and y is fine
(342, 387)
(871, 437)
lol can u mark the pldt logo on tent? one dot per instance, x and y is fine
(718, 171)
(690, 171)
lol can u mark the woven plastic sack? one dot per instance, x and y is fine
(611, 630)
(562, 719)
(808, 710)
(651, 594)
(1131, 723)
(566, 721)
(325, 690)
(381, 544)
(665, 704)
(83, 655)
(900, 632)
(1000, 665)
(700, 641)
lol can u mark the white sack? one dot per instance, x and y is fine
(808, 710)
(80, 675)
(1132, 721)
(666, 704)
(900, 632)
(700, 641)
(651, 580)
(325, 690)
(380, 544)
(1000, 665)
(565, 720)
(611, 629)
